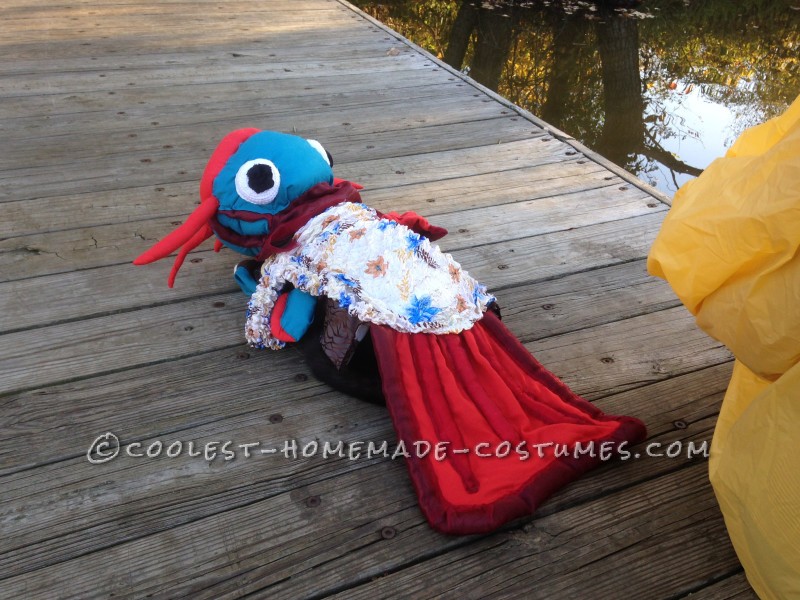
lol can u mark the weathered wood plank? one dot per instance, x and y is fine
(128, 16)
(199, 93)
(530, 259)
(215, 489)
(324, 115)
(430, 198)
(249, 557)
(21, 5)
(480, 190)
(581, 300)
(83, 348)
(734, 587)
(584, 550)
(482, 226)
(28, 303)
(112, 79)
(177, 37)
(505, 264)
(320, 108)
(654, 347)
(26, 439)
(159, 165)
(254, 53)
(156, 43)
(85, 247)
(81, 27)
(139, 117)
(155, 400)
(183, 144)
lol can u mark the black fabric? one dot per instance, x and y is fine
(359, 378)
(259, 178)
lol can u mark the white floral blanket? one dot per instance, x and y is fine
(381, 271)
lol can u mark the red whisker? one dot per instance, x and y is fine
(197, 239)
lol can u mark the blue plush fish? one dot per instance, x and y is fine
(453, 377)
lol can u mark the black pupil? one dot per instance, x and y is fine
(259, 178)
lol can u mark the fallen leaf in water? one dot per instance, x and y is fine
(672, 85)
(688, 89)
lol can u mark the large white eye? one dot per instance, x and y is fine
(258, 181)
(324, 153)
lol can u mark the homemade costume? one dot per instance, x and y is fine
(730, 248)
(450, 372)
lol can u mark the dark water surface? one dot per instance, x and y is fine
(661, 87)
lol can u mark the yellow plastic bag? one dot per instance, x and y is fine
(730, 249)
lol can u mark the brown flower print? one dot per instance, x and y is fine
(377, 267)
(328, 220)
(357, 233)
(455, 274)
(461, 304)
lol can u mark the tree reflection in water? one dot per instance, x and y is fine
(660, 96)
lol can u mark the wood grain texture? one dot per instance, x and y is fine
(108, 112)
(602, 234)
(213, 489)
(27, 438)
(734, 587)
(432, 197)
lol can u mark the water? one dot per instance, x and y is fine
(661, 88)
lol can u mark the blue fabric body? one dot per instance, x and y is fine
(299, 313)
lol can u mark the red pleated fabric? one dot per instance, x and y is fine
(482, 391)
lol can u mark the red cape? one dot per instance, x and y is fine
(476, 390)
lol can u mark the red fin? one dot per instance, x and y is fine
(275, 319)
(418, 224)
(196, 222)
(337, 181)
(197, 239)
(224, 150)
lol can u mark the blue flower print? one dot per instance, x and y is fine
(481, 294)
(346, 280)
(421, 311)
(413, 241)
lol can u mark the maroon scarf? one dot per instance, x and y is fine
(283, 225)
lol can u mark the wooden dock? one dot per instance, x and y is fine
(108, 112)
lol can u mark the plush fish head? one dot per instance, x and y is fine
(266, 172)
(250, 176)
